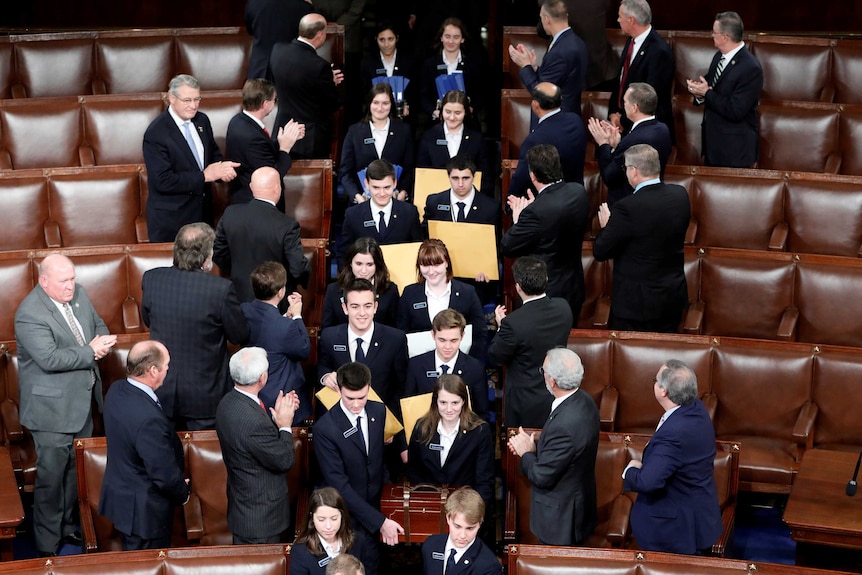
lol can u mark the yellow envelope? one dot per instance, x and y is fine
(431, 181)
(401, 261)
(472, 247)
(329, 397)
(412, 408)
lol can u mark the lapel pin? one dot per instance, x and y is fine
(373, 420)
(375, 344)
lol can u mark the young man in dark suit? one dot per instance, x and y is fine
(248, 141)
(461, 202)
(257, 447)
(461, 552)
(522, 339)
(182, 159)
(144, 473)
(384, 218)
(550, 226)
(447, 329)
(645, 236)
(348, 442)
(561, 468)
(676, 510)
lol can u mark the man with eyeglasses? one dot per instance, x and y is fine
(182, 160)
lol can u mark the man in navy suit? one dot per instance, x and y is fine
(640, 105)
(144, 473)
(729, 94)
(257, 447)
(647, 58)
(284, 337)
(384, 218)
(194, 313)
(561, 468)
(461, 202)
(645, 236)
(248, 142)
(447, 329)
(563, 130)
(564, 64)
(348, 442)
(182, 159)
(461, 552)
(268, 22)
(677, 509)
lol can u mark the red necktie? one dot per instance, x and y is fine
(262, 406)
(265, 131)
(626, 63)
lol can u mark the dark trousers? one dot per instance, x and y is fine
(134, 542)
(239, 540)
(188, 424)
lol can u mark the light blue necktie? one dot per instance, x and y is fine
(191, 143)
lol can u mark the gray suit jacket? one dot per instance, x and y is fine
(53, 370)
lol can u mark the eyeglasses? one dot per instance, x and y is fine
(188, 101)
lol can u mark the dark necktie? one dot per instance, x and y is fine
(719, 68)
(450, 563)
(382, 227)
(360, 354)
(627, 59)
(444, 368)
(361, 435)
(461, 216)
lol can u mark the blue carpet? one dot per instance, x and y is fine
(759, 533)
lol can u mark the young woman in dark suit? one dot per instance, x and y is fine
(388, 61)
(452, 55)
(364, 260)
(436, 291)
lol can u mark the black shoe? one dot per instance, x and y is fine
(47, 554)
(73, 538)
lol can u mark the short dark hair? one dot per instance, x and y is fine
(353, 376)
(143, 356)
(255, 92)
(644, 97)
(357, 284)
(378, 88)
(556, 9)
(731, 24)
(380, 170)
(193, 245)
(547, 101)
(267, 279)
(460, 163)
(531, 274)
(543, 161)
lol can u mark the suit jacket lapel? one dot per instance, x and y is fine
(180, 139)
(373, 346)
(345, 427)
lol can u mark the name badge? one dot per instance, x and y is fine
(369, 223)
(435, 447)
(438, 556)
(432, 374)
(380, 71)
(349, 432)
(324, 562)
(368, 141)
(444, 207)
(339, 348)
(442, 142)
(420, 305)
(442, 67)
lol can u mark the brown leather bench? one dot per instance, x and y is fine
(799, 136)
(24, 209)
(134, 61)
(53, 65)
(7, 67)
(847, 71)
(822, 215)
(851, 140)
(794, 67)
(114, 126)
(45, 135)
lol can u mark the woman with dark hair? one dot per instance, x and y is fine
(452, 55)
(451, 445)
(389, 61)
(436, 291)
(378, 135)
(325, 535)
(364, 260)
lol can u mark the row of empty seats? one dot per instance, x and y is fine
(131, 61)
(794, 67)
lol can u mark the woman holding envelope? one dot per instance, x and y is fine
(451, 445)
(436, 291)
(388, 62)
(380, 135)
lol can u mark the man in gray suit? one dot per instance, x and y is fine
(257, 448)
(60, 337)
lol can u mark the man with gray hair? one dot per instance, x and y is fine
(561, 467)
(182, 159)
(257, 447)
(677, 507)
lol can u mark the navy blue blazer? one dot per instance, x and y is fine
(178, 194)
(422, 375)
(477, 560)
(333, 313)
(434, 153)
(359, 151)
(248, 144)
(144, 475)
(612, 162)
(372, 67)
(359, 222)
(386, 358)
(470, 462)
(565, 65)
(484, 210)
(413, 312)
(677, 505)
(470, 66)
(287, 344)
(302, 562)
(564, 131)
(344, 465)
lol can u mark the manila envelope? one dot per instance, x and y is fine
(329, 397)
(472, 247)
(401, 261)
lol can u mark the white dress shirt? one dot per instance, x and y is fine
(436, 304)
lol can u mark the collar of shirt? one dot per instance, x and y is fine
(256, 119)
(446, 293)
(534, 298)
(252, 396)
(379, 136)
(438, 361)
(384, 130)
(179, 121)
(270, 202)
(352, 416)
(468, 203)
(63, 311)
(638, 42)
(451, 435)
(366, 338)
(458, 552)
(451, 66)
(199, 143)
(647, 183)
(145, 388)
(453, 136)
(304, 41)
(557, 36)
(375, 211)
(558, 400)
(639, 122)
(549, 114)
(729, 56)
(389, 65)
(668, 413)
(332, 551)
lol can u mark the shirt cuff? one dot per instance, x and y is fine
(629, 466)
(287, 429)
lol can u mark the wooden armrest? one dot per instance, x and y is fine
(11, 423)
(131, 316)
(5, 160)
(608, 408)
(18, 91)
(727, 518)
(141, 232)
(603, 312)
(802, 431)
(693, 323)
(510, 527)
(88, 530)
(833, 164)
(691, 232)
(53, 238)
(710, 402)
(86, 157)
(787, 327)
(194, 518)
(778, 240)
(618, 525)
